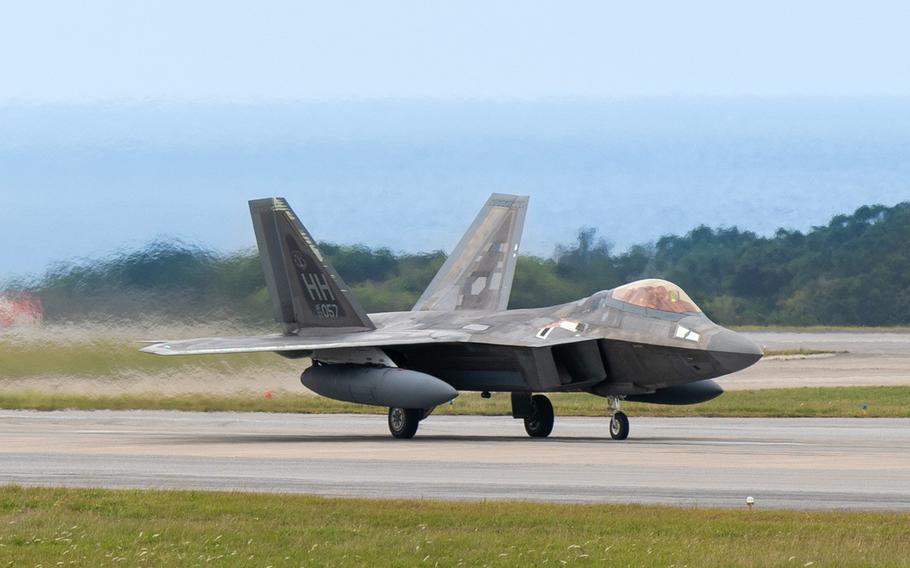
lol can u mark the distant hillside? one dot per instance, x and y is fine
(853, 271)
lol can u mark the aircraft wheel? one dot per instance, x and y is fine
(540, 423)
(619, 426)
(403, 422)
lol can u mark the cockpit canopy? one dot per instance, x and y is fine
(656, 294)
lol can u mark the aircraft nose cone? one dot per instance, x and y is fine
(733, 351)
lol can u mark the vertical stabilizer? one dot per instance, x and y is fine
(306, 291)
(478, 274)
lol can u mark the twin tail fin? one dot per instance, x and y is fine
(306, 291)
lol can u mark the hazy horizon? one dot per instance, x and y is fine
(82, 180)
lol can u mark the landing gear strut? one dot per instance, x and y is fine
(403, 422)
(619, 422)
(539, 423)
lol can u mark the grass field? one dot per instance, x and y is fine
(82, 527)
(106, 357)
(797, 352)
(881, 402)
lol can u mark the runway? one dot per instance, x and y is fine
(862, 358)
(865, 342)
(782, 463)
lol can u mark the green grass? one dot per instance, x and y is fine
(882, 402)
(88, 527)
(111, 357)
(799, 352)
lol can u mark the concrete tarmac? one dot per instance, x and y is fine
(865, 342)
(861, 464)
(860, 359)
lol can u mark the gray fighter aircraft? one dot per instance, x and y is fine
(646, 341)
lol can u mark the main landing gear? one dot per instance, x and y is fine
(536, 411)
(403, 422)
(539, 423)
(619, 422)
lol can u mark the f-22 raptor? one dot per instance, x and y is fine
(646, 341)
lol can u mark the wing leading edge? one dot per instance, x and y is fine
(283, 343)
(277, 343)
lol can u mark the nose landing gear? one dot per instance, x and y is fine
(619, 422)
(619, 426)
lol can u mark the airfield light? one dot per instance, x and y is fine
(750, 501)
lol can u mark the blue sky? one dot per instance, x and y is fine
(387, 123)
(232, 50)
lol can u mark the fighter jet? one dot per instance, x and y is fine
(646, 341)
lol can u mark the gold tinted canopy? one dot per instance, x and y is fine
(656, 294)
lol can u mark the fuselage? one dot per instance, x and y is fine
(600, 344)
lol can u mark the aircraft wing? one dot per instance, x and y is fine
(378, 338)
(279, 343)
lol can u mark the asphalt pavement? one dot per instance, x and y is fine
(783, 463)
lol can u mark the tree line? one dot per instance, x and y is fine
(853, 271)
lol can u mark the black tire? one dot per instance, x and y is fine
(619, 426)
(540, 423)
(403, 422)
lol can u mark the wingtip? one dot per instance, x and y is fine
(156, 348)
(268, 202)
(510, 198)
